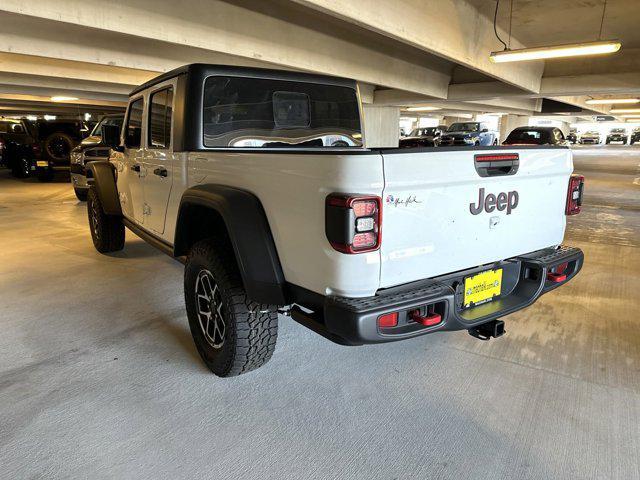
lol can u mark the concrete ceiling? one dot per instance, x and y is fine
(401, 52)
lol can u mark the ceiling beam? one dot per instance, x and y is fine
(39, 81)
(520, 106)
(14, 63)
(85, 97)
(450, 29)
(141, 34)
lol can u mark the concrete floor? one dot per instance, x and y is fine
(99, 377)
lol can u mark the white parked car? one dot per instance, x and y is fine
(590, 137)
(360, 245)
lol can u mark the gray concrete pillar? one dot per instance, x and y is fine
(381, 126)
(509, 122)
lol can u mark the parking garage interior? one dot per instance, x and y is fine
(99, 375)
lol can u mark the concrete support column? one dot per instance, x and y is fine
(381, 126)
(509, 122)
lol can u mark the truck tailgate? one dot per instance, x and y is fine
(433, 223)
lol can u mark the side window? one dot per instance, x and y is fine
(160, 112)
(133, 132)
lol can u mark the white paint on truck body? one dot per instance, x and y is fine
(433, 234)
(292, 188)
(436, 233)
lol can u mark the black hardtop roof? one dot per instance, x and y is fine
(203, 70)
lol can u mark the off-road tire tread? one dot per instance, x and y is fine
(81, 194)
(111, 227)
(254, 326)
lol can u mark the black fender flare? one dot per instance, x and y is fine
(104, 181)
(250, 235)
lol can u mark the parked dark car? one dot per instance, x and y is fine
(469, 134)
(56, 139)
(635, 136)
(536, 136)
(18, 147)
(617, 135)
(423, 137)
(573, 136)
(91, 149)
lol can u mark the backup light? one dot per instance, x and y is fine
(365, 224)
(558, 51)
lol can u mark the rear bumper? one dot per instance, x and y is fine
(354, 321)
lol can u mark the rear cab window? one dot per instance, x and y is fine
(263, 113)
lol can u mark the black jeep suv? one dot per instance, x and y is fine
(18, 147)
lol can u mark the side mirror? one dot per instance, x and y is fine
(484, 130)
(111, 136)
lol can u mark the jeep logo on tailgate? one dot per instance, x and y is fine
(491, 202)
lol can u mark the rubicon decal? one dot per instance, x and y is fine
(502, 201)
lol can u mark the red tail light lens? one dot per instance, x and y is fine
(353, 222)
(574, 194)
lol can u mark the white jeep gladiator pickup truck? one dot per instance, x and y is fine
(258, 181)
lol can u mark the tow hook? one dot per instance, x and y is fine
(494, 328)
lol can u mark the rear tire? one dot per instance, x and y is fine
(233, 334)
(20, 167)
(81, 194)
(107, 231)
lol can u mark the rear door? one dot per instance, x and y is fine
(158, 162)
(440, 215)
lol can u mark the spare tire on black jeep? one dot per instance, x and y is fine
(58, 146)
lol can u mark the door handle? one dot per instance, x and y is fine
(135, 168)
(161, 172)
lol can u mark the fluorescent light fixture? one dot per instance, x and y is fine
(423, 109)
(557, 51)
(50, 117)
(625, 110)
(61, 98)
(608, 101)
(637, 115)
(33, 118)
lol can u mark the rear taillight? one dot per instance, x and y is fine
(574, 194)
(353, 223)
